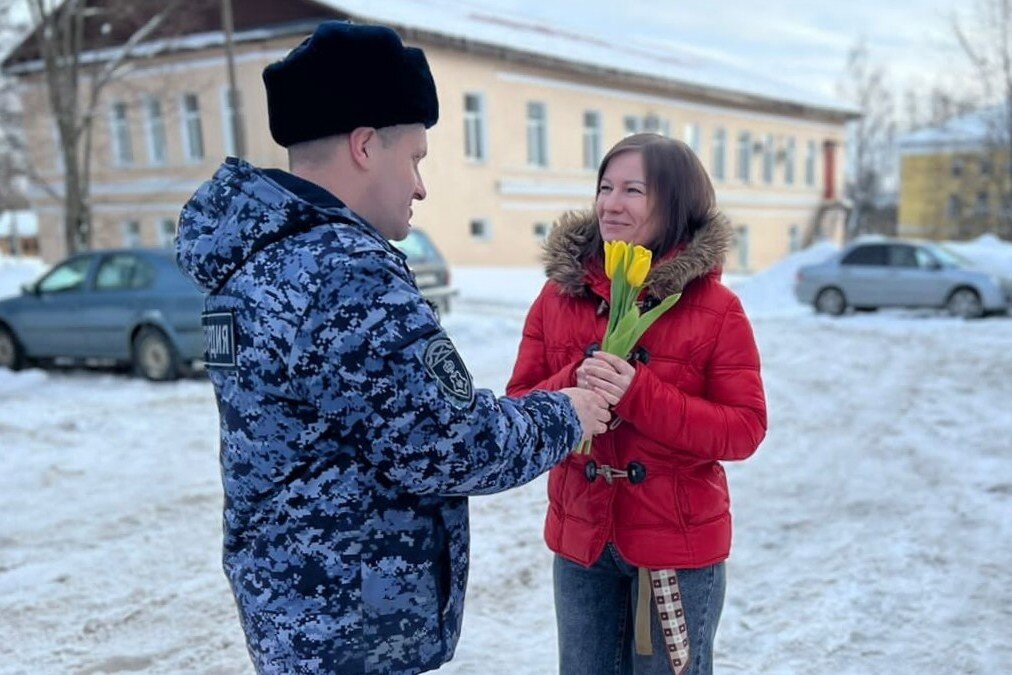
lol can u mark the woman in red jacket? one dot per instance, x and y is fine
(641, 526)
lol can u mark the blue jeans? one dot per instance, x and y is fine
(595, 609)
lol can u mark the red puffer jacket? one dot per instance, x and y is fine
(697, 400)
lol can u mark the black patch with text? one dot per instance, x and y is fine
(219, 339)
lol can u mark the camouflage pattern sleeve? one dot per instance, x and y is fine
(372, 356)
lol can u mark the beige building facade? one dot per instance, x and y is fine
(518, 143)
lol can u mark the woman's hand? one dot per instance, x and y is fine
(607, 374)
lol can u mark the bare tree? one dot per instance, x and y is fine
(985, 35)
(871, 138)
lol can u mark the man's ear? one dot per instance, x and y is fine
(362, 143)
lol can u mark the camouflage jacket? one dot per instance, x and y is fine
(351, 433)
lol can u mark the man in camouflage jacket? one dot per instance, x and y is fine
(351, 433)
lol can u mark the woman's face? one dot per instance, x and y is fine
(623, 204)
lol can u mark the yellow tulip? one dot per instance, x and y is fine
(637, 272)
(614, 254)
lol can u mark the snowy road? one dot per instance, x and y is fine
(873, 528)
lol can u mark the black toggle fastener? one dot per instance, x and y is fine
(636, 473)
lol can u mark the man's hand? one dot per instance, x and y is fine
(592, 410)
(606, 374)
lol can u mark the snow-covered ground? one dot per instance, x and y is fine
(873, 527)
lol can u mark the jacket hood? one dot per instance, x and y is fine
(570, 244)
(239, 211)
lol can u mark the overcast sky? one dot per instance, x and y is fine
(803, 42)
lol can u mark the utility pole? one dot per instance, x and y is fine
(234, 100)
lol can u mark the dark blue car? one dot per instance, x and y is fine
(130, 306)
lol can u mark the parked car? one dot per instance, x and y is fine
(897, 273)
(131, 306)
(432, 274)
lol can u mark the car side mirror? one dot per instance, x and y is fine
(934, 265)
(29, 289)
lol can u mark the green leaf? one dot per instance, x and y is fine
(648, 318)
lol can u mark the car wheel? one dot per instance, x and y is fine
(965, 303)
(12, 356)
(831, 301)
(155, 357)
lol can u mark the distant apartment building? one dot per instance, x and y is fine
(526, 113)
(956, 178)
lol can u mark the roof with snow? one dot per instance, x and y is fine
(966, 132)
(469, 22)
(466, 24)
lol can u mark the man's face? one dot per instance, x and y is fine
(397, 182)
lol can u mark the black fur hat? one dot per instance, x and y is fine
(346, 76)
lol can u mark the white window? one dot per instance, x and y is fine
(232, 121)
(794, 239)
(810, 163)
(131, 234)
(541, 231)
(692, 137)
(656, 125)
(741, 246)
(719, 150)
(632, 125)
(789, 159)
(745, 157)
(122, 145)
(983, 205)
(474, 127)
(155, 131)
(481, 229)
(537, 134)
(167, 232)
(954, 210)
(769, 158)
(591, 139)
(193, 132)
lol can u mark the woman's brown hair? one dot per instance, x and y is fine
(681, 192)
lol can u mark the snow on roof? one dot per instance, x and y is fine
(475, 23)
(970, 130)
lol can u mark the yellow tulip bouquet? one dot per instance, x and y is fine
(627, 265)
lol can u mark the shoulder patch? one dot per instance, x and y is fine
(444, 363)
(219, 339)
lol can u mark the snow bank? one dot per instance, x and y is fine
(17, 271)
(987, 252)
(771, 292)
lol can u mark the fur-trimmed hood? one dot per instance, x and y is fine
(568, 249)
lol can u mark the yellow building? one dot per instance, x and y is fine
(526, 112)
(956, 179)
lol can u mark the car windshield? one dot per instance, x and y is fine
(949, 257)
(416, 246)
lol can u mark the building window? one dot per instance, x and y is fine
(794, 239)
(789, 159)
(631, 124)
(155, 128)
(481, 229)
(741, 246)
(167, 232)
(957, 167)
(131, 234)
(193, 132)
(954, 209)
(719, 159)
(745, 157)
(810, 164)
(541, 231)
(57, 147)
(769, 158)
(986, 166)
(537, 134)
(591, 139)
(983, 205)
(122, 146)
(474, 127)
(692, 137)
(652, 124)
(232, 121)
